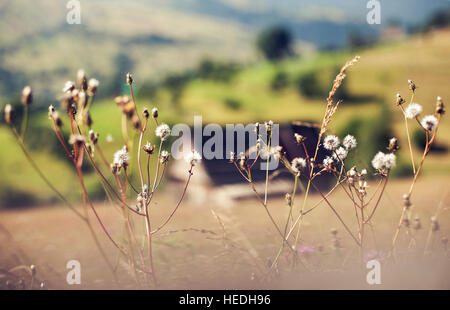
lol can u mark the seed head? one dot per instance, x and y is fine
(122, 158)
(429, 122)
(76, 140)
(82, 80)
(10, 115)
(406, 201)
(93, 136)
(417, 225)
(440, 109)
(129, 78)
(148, 148)
(399, 99)
(331, 142)
(413, 110)
(155, 113)
(146, 113)
(349, 142)
(328, 163)
(92, 87)
(412, 86)
(162, 131)
(164, 157)
(298, 164)
(288, 198)
(27, 96)
(384, 162)
(393, 145)
(193, 158)
(340, 154)
(68, 87)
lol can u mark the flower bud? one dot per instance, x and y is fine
(155, 113)
(82, 80)
(129, 78)
(440, 109)
(10, 115)
(27, 96)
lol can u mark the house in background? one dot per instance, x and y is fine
(218, 182)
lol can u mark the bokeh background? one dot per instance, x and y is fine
(230, 61)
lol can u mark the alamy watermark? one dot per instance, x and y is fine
(74, 14)
(374, 14)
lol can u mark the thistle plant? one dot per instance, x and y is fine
(82, 147)
(430, 125)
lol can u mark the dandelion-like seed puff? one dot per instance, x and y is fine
(162, 131)
(413, 110)
(331, 142)
(429, 122)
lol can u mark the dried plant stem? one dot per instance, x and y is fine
(408, 136)
(24, 124)
(427, 148)
(42, 176)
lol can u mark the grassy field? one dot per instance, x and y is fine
(191, 252)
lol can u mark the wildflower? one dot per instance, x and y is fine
(129, 78)
(148, 148)
(399, 99)
(164, 157)
(331, 142)
(92, 87)
(193, 158)
(328, 163)
(413, 110)
(68, 87)
(82, 81)
(384, 162)
(27, 96)
(340, 154)
(393, 145)
(439, 106)
(122, 158)
(349, 142)
(411, 85)
(429, 122)
(155, 113)
(162, 131)
(10, 115)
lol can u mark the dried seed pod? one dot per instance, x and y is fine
(399, 100)
(299, 138)
(93, 136)
(146, 113)
(27, 96)
(148, 148)
(411, 85)
(92, 87)
(434, 224)
(155, 113)
(393, 145)
(82, 80)
(440, 109)
(288, 198)
(406, 201)
(10, 115)
(129, 78)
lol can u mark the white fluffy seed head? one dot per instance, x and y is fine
(413, 110)
(349, 142)
(384, 162)
(122, 157)
(298, 164)
(192, 158)
(429, 122)
(162, 131)
(340, 154)
(331, 142)
(328, 162)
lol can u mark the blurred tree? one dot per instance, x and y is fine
(275, 42)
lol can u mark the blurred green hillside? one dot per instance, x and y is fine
(259, 92)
